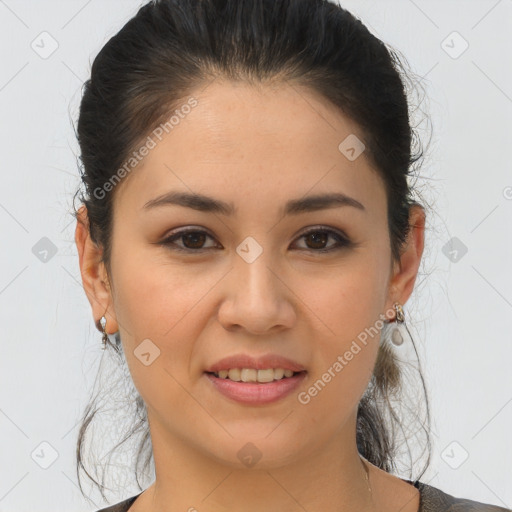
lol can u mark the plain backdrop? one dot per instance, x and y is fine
(461, 314)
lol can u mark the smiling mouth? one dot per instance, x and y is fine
(251, 375)
(253, 390)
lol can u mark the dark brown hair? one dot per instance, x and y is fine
(172, 47)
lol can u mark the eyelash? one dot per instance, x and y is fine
(342, 241)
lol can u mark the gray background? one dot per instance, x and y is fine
(460, 315)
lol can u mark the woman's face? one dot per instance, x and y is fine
(250, 282)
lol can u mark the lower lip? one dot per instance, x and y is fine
(255, 393)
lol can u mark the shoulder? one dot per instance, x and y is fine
(122, 506)
(433, 499)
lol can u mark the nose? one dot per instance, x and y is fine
(256, 297)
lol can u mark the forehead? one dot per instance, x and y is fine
(241, 142)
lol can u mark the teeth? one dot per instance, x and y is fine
(278, 373)
(253, 375)
(234, 374)
(248, 375)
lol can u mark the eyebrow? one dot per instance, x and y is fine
(292, 207)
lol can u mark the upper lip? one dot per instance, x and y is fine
(259, 363)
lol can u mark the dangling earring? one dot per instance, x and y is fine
(105, 339)
(103, 323)
(396, 335)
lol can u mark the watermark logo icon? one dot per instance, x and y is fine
(351, 147)
(44, 250)
(454, 455)
(249, 250)
(249, 455)
(45, 45)
(454, 45)
(454, 249)
(44, 455)
(146, 352)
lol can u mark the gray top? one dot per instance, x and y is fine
(432, 499)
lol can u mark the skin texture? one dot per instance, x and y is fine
(256, 147)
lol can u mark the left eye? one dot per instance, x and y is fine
(194, 239)
(320, 236)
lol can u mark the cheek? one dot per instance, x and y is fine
(344, 368)
(345, 301)
(159, 314)
(157, 309)
(155, 297)
(348, 307)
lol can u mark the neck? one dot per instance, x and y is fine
(331, 477)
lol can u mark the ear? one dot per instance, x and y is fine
(402, 281)
(94, 274)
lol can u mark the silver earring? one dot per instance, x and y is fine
(396, 335)
(103, 323)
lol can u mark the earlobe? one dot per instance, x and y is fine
(402, 282)
(93, 272)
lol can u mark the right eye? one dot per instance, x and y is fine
(192, 239)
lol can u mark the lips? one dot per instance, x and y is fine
(254, 393)
(258, 363)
